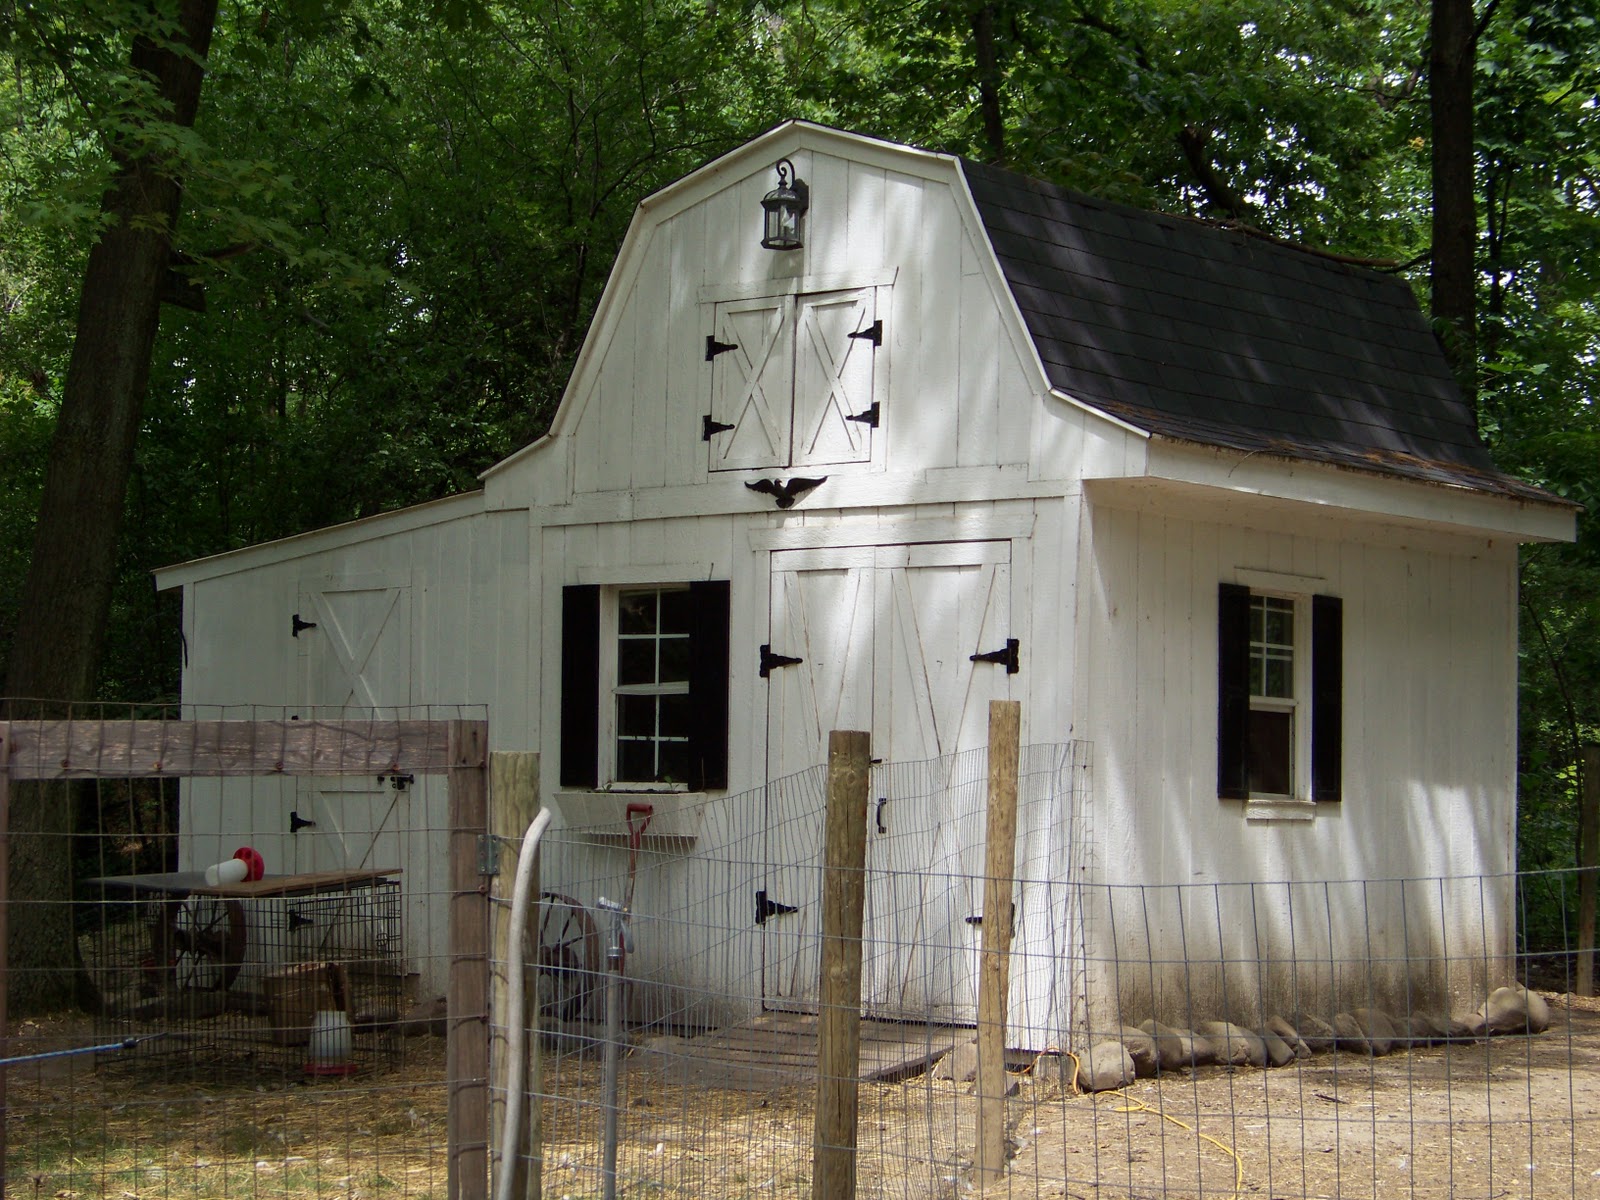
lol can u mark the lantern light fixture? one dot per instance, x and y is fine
(783, 208)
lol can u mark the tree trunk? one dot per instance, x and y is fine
(66, 599)
(987, 58)
(1455, 222)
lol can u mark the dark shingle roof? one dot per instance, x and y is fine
(1215, 336)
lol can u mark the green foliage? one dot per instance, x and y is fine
(401, 218)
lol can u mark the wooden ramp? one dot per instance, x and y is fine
(778, 1050)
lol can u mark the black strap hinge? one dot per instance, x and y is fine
(770, 908)
(708, 427)
(714, 347)
(296, 625)
(1008, 658)
(872, 333)
(868, 418)
(771, 661)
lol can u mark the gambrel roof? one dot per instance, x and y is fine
(1216, 336)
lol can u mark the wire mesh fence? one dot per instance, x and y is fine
(229, 952)
(1299, 1038)
(190, 1065)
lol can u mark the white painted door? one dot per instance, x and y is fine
(836, 341)
(793, 380)
(885, 635)
(354, 647)
(752, 385)
(822, 612)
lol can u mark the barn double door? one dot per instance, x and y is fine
(885, 635)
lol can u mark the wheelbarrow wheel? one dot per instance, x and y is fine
(568, 955)
(199, 943)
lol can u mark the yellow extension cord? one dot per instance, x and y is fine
(1141, 1106)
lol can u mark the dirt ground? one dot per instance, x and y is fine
(1512, 1117)
(1515, 1117)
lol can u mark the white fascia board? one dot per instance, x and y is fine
(317, 541)
(1073, 402)
(618, 285)
(1010, 315)
(1362, 493)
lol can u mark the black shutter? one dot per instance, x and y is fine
(1233, 691)
(1327, 696)
(708, 683)
(580, 686)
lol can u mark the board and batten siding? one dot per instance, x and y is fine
(1427, 779)
(433, 614)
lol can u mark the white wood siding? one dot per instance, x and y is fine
(1429, 625)
(436, 615)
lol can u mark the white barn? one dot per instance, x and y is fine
(1212, 505)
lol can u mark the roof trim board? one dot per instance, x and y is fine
(319, 541)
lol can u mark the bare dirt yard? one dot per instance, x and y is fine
(1512, 1117)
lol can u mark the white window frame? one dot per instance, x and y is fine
(610, 689)
(1296, 803)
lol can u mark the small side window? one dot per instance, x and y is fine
(1279, 707)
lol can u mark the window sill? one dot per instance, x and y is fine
(1281, 808)
(602, 817)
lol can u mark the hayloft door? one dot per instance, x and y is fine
(886, 636)
(353, 641)
(794, 380)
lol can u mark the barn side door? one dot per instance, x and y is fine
(353, 641)
(885, 637)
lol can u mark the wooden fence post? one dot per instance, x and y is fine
(1588, 866)
(467, 996)
(994, 976)
(513, 803)
(833, 1175)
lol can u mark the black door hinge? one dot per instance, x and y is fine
(770, 908)
(771, 661)
(714, 347)
(297, 823)
(296, 625)
(708, 427)
(868, 418)
(1008, 658)
(872, 333)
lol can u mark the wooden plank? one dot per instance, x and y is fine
(514, 802)
(1588, 862)
(1005, 724)
(98, 749)
(467, 996)
(844, 896)
(193, 883)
